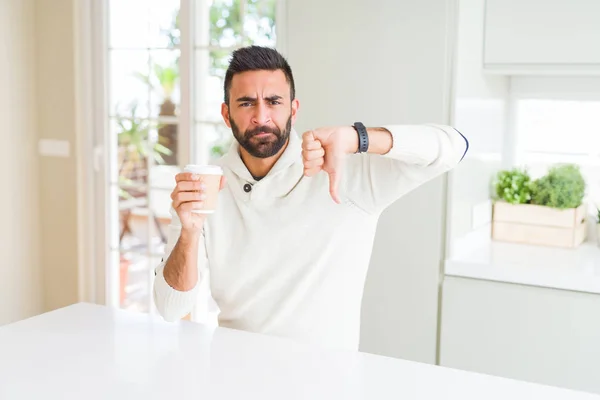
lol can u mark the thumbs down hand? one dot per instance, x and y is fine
(325, 149)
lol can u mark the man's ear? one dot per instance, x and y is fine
(295, 107)
(225, 114)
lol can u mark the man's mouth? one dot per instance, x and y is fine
(262, 135)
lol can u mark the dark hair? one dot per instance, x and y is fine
(255, 58)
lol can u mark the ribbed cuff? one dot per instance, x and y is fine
(172, 304)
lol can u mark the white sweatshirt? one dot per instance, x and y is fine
(284, 258)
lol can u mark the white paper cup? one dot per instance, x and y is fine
(210, 175)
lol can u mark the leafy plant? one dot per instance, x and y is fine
(163, 79)
(136, 146)
(514, 186)
(598, 216)
(563, 187)
(134, 135)
(227, 25)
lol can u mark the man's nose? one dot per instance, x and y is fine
(261, 114)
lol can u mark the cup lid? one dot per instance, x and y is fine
(203, 169)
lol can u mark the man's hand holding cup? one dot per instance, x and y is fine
(195, 195)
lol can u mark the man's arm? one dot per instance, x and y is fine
(178, 277)
(399, 159)
(417, 154)
(181, 272)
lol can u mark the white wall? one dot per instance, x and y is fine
(480, 111)
(20, 271)
(382, 61)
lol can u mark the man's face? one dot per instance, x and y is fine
(260, 112)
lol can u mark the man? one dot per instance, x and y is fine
(289, 245)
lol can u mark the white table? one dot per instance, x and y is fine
(93, 352)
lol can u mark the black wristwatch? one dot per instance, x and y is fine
(363, 137)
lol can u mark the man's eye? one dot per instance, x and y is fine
(247, 104)
(275, 102)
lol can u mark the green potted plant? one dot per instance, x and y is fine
(548, 211)
(563, 187)
(514, 186)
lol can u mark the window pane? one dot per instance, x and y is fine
(162, 183)
(165, 101)
(144, 210)
(133, 283)
(164, 24)
(140, 144)
(210, 71)
(218, 23)
(134, 232)
(559, 126)
(128, 24)
(129, 90)
(164, 80)
(165, 150)
(135, 274)
(553, 132)
(217, 137)
(259, 23)
(134, 145)
(225, 23)
(141, 230)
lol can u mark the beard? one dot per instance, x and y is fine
(266, 146)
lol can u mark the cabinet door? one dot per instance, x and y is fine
(528, 333)
(534, 32)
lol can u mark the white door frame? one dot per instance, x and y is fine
(90, 77)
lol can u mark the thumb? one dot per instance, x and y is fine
(308, 136)
(335, 176)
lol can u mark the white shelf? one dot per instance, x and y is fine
(568, 269)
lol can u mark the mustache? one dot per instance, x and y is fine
(266, 129)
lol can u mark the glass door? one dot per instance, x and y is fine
(163, 88)
(144, 103)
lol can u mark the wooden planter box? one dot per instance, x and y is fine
(538, 225)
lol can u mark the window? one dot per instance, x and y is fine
(166, 60)
(560, 130)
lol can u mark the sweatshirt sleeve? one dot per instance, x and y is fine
(170, 303)
(419, 153)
